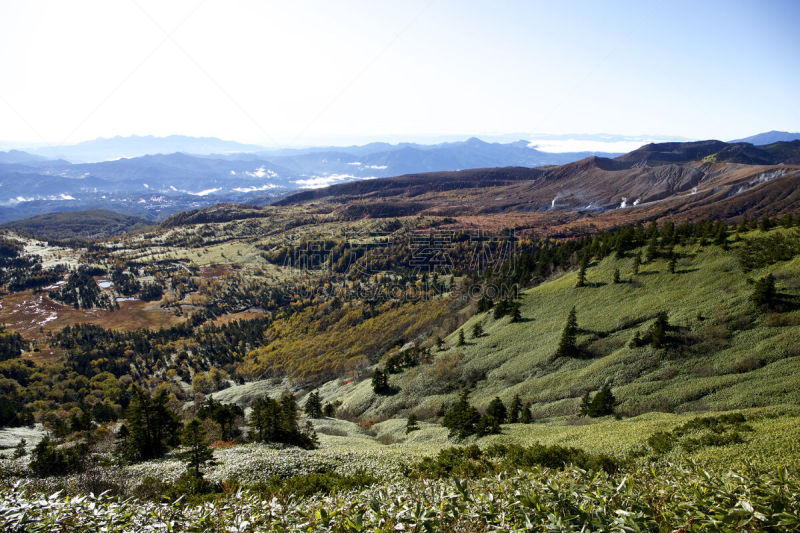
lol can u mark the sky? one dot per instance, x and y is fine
(303, 72)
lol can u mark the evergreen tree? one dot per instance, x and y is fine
(487, 425)
(582, 271)
(652, 250)
(460, 337)
(516, 315)
(198, 453)
(151, 427)
(276, 421)
(412, 424)
(19, 450)
(616, 276)
(526, 417)
(484, 304)
(313, 405)
(380, 382)
(603, 402)
(721, 237)
(226, 415)
(672, 264)
(477, 330)
(586, 403)
(462, 418)
(658, 331)
(566, 346)
(764, 293)
(514, 410)
(497, 409)
(329, 410)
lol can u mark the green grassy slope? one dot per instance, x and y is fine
(730, 355)
(79, 225)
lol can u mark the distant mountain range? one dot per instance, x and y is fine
(162, 183)
(769, 137)
(705, 179)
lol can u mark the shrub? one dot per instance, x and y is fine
(50, 459)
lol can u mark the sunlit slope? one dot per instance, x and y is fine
(723, 353)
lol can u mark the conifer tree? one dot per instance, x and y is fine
(477, 330)
(526, 417)
(461, 337)
(586, 403)
(497, 409)
(582, 271)
(764, 292)
(616, 276)
(516, 315)
(567, 347)
(313, 405)
(603, 402)
(151, 428)
(514, 410)
(198, 453)
(412, 424)
(652, 250)
(380, 382)
(462, 418)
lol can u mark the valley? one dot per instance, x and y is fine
(485, 348)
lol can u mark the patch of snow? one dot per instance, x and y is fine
(105, 284)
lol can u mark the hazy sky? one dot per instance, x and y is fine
(278, 73)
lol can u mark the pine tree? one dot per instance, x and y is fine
(487, 425)
(380, 382)
(462, 418)
(198, 453)
(152, 427)
(566, 346)
(764, 292)
(516, 315)
(582, 271)
(313, 407)
(585, 404)
(477, 330)
(497, 409)
(526, 417)
(616, 276)
(672, 264)
(329, 410)
(657, 333)
(412, 424)
(652, 250)
(484, 304)
(721, 238)
(603, 402)
(460, 337)
(19, 450)
(514, 410)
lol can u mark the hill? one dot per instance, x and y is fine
(715, 151)
(78, 225)
(769, 137)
